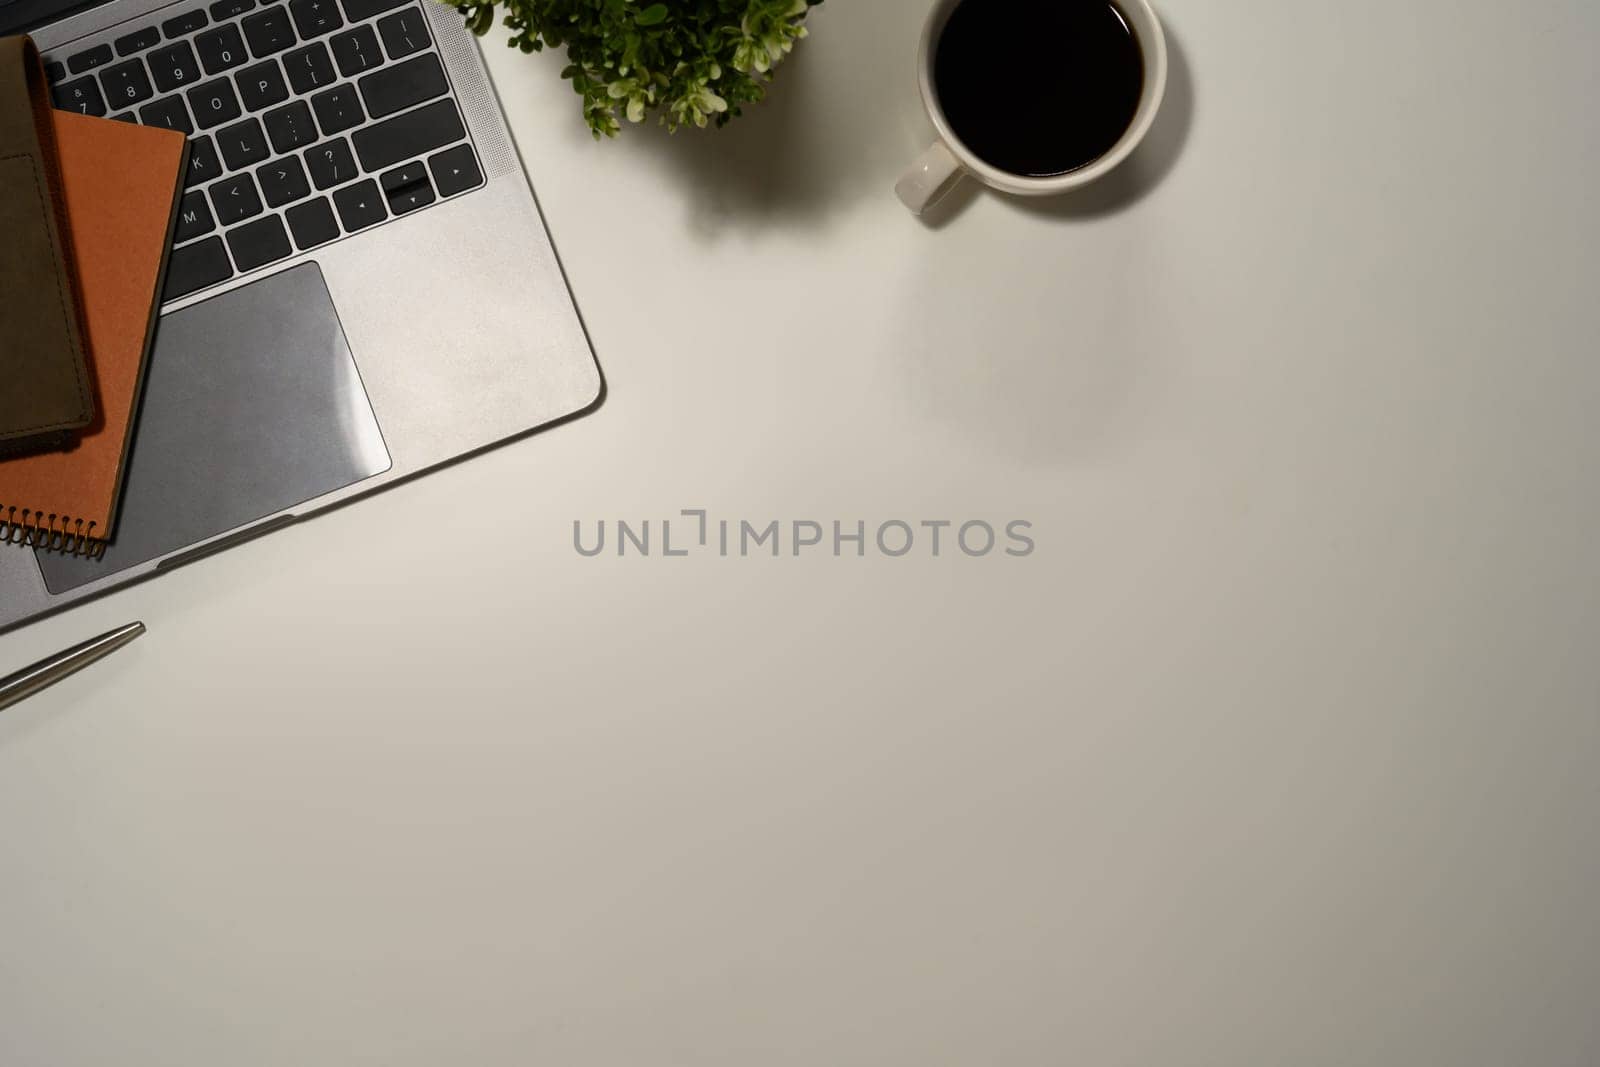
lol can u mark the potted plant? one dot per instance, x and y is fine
(693, 62)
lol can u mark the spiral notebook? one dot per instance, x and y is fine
(121, 185)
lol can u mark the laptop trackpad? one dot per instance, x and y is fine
(253, 405)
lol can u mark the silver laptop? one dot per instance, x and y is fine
(360, 289)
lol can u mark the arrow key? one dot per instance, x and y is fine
(360, 205)
(409, 198)
(406, 188)
(402, 176)
(455, 170)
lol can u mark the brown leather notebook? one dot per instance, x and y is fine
(121, 185)
(46, 393)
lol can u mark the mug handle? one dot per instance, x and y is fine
(934, 174)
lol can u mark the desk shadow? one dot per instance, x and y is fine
(1122, 188)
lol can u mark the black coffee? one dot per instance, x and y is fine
(1038, 87)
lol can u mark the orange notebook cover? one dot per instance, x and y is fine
(121, 184)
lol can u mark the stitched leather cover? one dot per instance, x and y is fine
(121, 186)
(46, 392)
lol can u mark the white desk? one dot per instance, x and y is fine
(1279, 749)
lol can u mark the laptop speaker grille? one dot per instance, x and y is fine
(473, 92)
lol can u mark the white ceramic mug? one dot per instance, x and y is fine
(948, 161)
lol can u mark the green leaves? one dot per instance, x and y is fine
(695, 62)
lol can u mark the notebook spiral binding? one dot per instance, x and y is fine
(49, 532)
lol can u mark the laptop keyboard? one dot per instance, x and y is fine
(308, 120)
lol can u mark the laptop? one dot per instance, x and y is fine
(361, 287)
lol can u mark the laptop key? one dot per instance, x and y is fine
(196, 266)
(261, 86)
(126, 116)
(203, 162)
(214, 103)
(356, 50)
(173, 67)
(405, 200)
(259, 243)
(125, 84)
(402, 176)
(54, 72)
(410, 135)
(194, 217)
(337, 109)
(89, 58)
(356, 10)
(138, 41)
(268, 32)
(283, 181)
(331, 163)
(406, 187)
(309, 67)
(455, 170)
(290, 127)
(313, 18)
(243, 144)
(81, 95)
(227, 9)
(221, 49)
(169, 113)
(184, 24)
(360, 205)
(402, 85)
(404, 32)
(312, 223)
(235, 199)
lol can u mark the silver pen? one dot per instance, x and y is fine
(48, 672)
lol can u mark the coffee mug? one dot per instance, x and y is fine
(948, 161)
